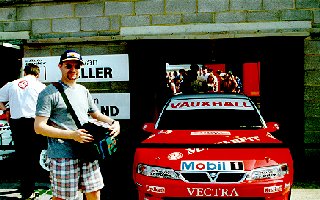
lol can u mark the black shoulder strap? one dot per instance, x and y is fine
(66, 100)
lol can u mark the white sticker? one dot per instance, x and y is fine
(273, 189)
(193, 104)
(211, 133)
(175, 156)
(210, 165)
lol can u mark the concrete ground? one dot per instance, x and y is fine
(8, 193)
(305, 194)
(12, 193)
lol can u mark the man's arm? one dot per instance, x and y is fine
(41, 127)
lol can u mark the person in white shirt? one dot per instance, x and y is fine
(203, 77)
(22, 95)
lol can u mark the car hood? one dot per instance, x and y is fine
(211, 137)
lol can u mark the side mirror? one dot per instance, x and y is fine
(149, 127)
(272, 126)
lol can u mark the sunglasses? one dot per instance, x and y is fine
(69, 66)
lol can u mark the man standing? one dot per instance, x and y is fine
(68, 174)
(22, 95)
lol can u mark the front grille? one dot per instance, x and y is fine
(230, 177)
(212, 177)
(196, 177)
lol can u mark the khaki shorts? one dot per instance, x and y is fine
(68, 176)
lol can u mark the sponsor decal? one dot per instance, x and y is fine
(273, 189)
(175, 156)
(23, 84)
(165, 132)
(240, 140)
(212, 192)
(195, 150)
(270, 135)
(212, 104)
(155, 189)
(209, 165)
(211, 133)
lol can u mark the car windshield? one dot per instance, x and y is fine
(210, 119)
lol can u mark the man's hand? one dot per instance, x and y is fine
(82, 136)
(115, 129)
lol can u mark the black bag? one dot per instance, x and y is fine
(101, 148)
(103, 145)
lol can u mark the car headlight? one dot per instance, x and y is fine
(271, 172)
(157, 172)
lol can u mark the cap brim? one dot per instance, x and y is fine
(76, 59)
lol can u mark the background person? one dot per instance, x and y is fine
(239, 83)
(68, 174)
(22, 95)
(211, 85)
(228, 84)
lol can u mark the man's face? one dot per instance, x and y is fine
(70, 69)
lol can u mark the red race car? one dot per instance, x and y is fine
(212, 146)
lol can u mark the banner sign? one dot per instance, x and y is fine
(97, 68)
(193, 104)
(114, 105)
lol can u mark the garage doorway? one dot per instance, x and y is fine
(281, 61)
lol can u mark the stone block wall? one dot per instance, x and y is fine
(50, 19)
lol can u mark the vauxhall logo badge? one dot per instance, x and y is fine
(213, 174)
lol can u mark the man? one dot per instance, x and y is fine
(67, 173)
(22, 95)
(203, 77)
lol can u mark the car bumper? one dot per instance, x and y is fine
(160, 189)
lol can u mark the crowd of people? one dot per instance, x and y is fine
(202, 80)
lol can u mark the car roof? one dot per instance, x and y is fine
(209, 96)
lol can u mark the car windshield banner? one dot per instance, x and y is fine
(192, 104)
